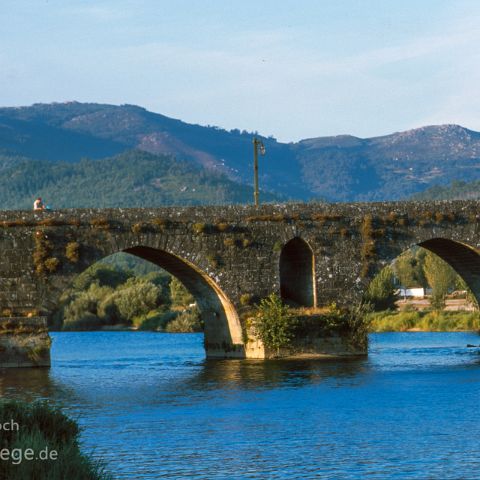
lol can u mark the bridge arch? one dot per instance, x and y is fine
(223, 332)
(297, 273)
(222, 328)
(465, 260)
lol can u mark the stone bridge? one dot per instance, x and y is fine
(227, 257)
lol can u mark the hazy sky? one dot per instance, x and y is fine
(289, 68)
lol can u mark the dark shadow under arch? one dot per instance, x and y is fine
(297, 274)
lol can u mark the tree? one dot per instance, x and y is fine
(179, 294)
(136, 297)
(273, 323)
(408, 268)
(381, 292)
(440, 276)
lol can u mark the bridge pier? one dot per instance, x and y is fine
(24, 342)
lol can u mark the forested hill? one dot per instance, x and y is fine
(130, 179)
(457, 190)
(339, 168)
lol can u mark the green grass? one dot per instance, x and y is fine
(43, 428)
(427, 321)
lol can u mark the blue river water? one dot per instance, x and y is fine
(152, 407)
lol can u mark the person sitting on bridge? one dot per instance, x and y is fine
(39, 205)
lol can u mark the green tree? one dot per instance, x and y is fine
(136, 297)
(440, 276)
(180, 296)
(273, 323)
(381, 292)
(103, 274)
(408, 268)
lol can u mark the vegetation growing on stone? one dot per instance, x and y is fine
(368, 244)
(42, 260)
(215, 260)
(52, 264)
(277, 246)
(223, 226)
(101, 223)
(273, 323)
(199, 227)
(72, 252)
(229, 242)
(246, 299)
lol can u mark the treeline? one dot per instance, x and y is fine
(456, 190)
(416, 267)
(127, 293)
(131, 179)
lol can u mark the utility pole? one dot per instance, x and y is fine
(256, 145)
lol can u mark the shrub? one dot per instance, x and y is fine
(186, 322)
(155, 319)
(43, 426)
(273, 323)
(103, 275)
(135, 298)
(381, 292)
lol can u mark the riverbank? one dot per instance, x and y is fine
(423, 321)
(39, 441)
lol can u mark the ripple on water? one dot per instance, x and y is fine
(153, 407)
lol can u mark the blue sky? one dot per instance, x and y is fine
(292, 69)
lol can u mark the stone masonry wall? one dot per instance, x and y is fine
(235, 248)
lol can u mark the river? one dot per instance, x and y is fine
(153, 407)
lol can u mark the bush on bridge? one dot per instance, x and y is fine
(273, 323)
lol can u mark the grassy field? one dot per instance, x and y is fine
(426, 321)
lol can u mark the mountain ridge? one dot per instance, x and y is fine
(334, 168)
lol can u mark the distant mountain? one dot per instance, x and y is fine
(131, 179)
(341, 168)
(389, 167)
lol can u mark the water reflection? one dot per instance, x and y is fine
(31, 384)
(252, 374)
